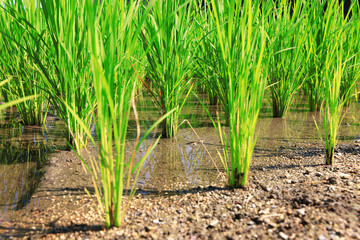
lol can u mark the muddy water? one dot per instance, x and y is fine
(187, 161)
(180, 163)
(300, 127)
(23, 151)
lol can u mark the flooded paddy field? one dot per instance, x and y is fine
(182, 188)
(179, 119)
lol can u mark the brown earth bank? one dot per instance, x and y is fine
(291, 195)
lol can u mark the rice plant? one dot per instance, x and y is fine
(14, 102)
(333, 106)
(62, 60)
(111, 66)
(285, 52)
(334, 66)
(167, 35)
(209, 57)
(241, 43)
(321, 21)
(206, 58)
(114, 27)
(352, 49)
(70, 86)
(16, 63)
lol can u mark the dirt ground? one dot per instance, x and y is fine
(291, 195)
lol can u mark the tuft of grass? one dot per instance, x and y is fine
(114, 28)
(17, 64)
(206, 58)
(285, 52)
(111, 39)
(336, 62)
(69, 79)
(333, 105)
(240, 43)
(351, 47)
(167, 36)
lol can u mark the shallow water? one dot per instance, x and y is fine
(189, 160)
(184, 162)
(23, 152)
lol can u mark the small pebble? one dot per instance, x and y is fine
(321, 237)
(283, 235)
(250, 223)
(213, 223)
(343, 175)
(301, 211)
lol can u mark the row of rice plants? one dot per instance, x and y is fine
(206, 59)
(352, 49)
(325, 21)
(46, 56)
(88, 55)
(300, 35)
(87, 67)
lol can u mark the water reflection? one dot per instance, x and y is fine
(20, 175)
(23, 152)
(301, 127)
(176, 163)
(182, 161)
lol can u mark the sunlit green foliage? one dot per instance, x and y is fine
(16, 62)
(338, 89)
(113, 31)
(240, 43)
(286, 60)
(167, 36)
(86, 59)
